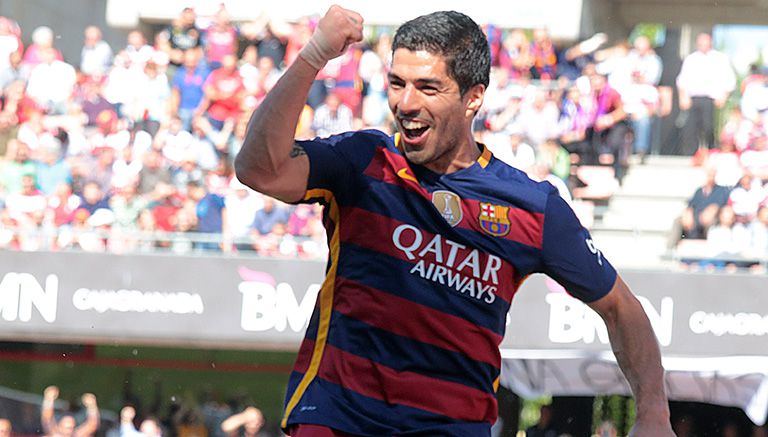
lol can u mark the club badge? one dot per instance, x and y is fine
(494, 219)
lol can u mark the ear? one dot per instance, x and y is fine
(474, 98)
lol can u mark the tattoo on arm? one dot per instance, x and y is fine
(297, 151)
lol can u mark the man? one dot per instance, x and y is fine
(247, 423)
(6, 430)
(96, 54)
(65, 427)
(705, 82)
(404, 338)
(150, 427)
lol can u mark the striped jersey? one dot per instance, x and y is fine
(404, 338)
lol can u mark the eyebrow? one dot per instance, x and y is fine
(419, 81)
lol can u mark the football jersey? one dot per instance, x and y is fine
(404, 338)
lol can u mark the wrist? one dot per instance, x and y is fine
(318, 50)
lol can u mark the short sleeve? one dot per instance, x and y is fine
(570, 256)
(336, 162)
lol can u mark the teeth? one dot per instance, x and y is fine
(410, 124)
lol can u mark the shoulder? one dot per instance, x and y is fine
(518, 186)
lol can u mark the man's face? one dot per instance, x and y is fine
(66, 426)
(5, 428)
(703, 43)
(431, 115)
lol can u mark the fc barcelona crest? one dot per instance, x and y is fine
(494, 219)
(449, 206)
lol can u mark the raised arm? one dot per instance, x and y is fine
(638, 355)
(268, 161)
(92, 418)
(47, 420)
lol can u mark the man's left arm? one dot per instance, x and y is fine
(637, 352)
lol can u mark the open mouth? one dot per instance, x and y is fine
(414, 130)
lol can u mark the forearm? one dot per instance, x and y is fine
(270, 136)
(639, 358)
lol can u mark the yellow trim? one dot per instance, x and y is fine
(496, 383)
(326, 304)
(397, 142)
(485, 156)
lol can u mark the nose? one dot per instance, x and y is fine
(410, 101)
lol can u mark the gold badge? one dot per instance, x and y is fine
(494, 219)
(449, 205)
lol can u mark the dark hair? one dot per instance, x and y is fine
(455, 37)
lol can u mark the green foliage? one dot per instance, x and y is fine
(529, 414)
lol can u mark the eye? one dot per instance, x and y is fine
(429, 90)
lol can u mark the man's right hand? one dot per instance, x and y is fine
(127, 414)
(337, 29)
(51, 393)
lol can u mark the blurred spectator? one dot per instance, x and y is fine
(65, 427)
(270, 215)
(247, 423)
(166, 202)
(726, 161)
(211, 212)
(727, 238)
(182, 35)
(126, 169)
(544, 57)
(644, 61)
(544, 426)
(754, 99)
(93, 197)
(641, 102)
(189, 422)
(224, 93)
(11, 46)
(207, 142)
(273, 41)
(609, 136)
(755, 159)
(373, 72)
(51, 169)
(348, 86)
(122, 82)
(127, 206)
(606, 429)
(187, 90)
(93, 103)
(575, 121)
(703, 207)
(332, 117)
(150, 427)
(6, 430)
(759, 231)
(515, 152)
(149, 107)
(538, 120)
(746, 198)
(27, 207)
(13, 72)
(241, 203)
(42, 40)
(187, 171)
(554, 157)
(153, 172)
(220, 38)
(96, 55)
(704, 83)
(137, 49)
(51, 82)
(62, 205)
(100, 169)
(15, 166)
(515, 55)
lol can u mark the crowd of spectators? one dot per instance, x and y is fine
(189, 418)
(729, 212)
(132, 148)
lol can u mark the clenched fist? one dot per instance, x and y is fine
(337, 29)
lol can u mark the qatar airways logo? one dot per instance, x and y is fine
(455, 266)
(269, 305)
